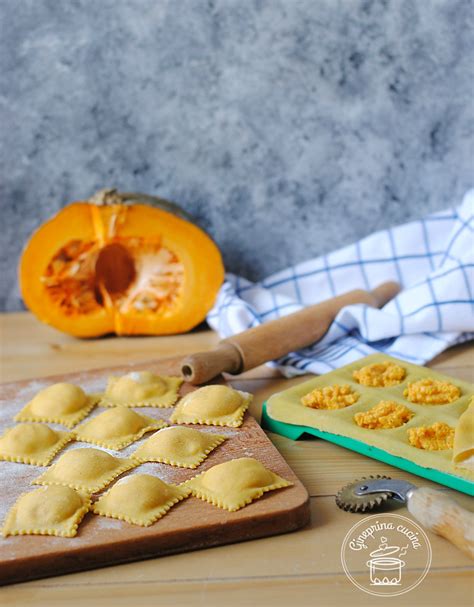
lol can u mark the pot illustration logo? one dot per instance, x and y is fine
(386, 555)
(385, 567)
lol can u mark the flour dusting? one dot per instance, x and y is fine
(16, 479)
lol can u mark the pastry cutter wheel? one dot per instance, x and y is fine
(433, 509)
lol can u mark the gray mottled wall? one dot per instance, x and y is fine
(287, 127)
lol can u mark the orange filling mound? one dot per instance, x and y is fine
(380, 375)
(437, 437)
(432, 392)
(330, 397)
(386, 414)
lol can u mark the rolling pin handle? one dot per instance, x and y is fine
(385, 292)
(203, 366)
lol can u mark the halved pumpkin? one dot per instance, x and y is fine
(115, 265)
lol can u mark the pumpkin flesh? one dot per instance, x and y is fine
(127, 269)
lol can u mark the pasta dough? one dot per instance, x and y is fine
(140, 499)
(286, 407)
(47, 511)
(142, 389)
(379, 375)
(330, 397)
(463, 450)
(236, 483)
(34, 444)
(85, 469)
(178, 446)
(116, 428)
(61, 403)
(213, 406)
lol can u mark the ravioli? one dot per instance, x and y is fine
(212, 406)
(141, 389)
(61, 403)
(47, 511)
(116, 428)
(140, 499)
(35, 444)
(463, 450)
(85, 469)
(235, 484)
(178, 446)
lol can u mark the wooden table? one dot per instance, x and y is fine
(302, 568)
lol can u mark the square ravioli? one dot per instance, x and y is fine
(47, 511)
(140, 499)
(213, 406)
(141, 389)
(178, 446)
(85, 469)
(116, 428)
(61, 403)
(235, 484)
(35, 444)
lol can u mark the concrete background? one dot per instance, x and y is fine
(287, 127)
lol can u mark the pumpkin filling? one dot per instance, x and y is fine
(330, 397)
(437, 437)
(385, 415)
(134, 274)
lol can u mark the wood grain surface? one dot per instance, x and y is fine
(302, 567)
(189, 525)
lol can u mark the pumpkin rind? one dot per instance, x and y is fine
(177, 271)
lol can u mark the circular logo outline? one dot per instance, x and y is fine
(378, 516)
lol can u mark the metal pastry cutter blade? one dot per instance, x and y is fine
(366, 494)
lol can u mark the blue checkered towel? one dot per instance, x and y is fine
(433, 261)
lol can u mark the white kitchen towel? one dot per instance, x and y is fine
(432, 259)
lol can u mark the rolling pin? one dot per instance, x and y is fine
(276, 338)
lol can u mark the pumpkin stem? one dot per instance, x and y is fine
(107, 196)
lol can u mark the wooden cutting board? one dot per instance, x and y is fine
(190, 525)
